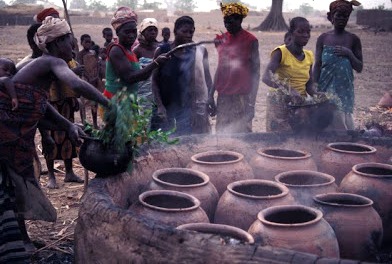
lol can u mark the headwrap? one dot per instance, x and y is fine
(148, 22)
(44, 13)
(234, 8)
(50, 29)
(123, 15)
(342, 5)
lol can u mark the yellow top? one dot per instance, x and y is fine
(295, 72)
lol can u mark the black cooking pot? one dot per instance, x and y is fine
(104, 160)
(311, 118)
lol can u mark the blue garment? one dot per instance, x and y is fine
(337, 78)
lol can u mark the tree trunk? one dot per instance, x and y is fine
(274, 21)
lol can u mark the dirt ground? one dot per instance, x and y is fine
(55, 240)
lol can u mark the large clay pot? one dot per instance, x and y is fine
(373, 180)
(304, 184)
(243, 200)
(103, 160)
(295, 227)
(338, 158)
(170, 207)
(223, 167)
(229, 235)
(269, 162)
(189, 181)
(357, 225)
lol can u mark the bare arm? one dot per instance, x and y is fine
(255, 70)
(309, 85)
(64, 74)
(318, 63)
(9, 85)
(272, 66)
(124, 69)
(155, 88)
(356, 55)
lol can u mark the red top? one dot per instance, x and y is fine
(233, 74)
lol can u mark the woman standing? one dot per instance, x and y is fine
(289, 75)
(181, 86)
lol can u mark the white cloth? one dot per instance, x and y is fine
(51, 29)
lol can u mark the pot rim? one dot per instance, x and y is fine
(371, 149)
(202, 175)
(316, 212)
(306, 155)
(331, 179)
(367, 202)
(239, 156)
(374, 165)
(284, 189)
(213, 228)
(194, 200)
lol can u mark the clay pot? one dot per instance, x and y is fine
(338, 158)
(170, 207)
(103, 160)
(243, 200)
(223, 167)
(373, 180)
(229, 235)
(385, 100)
(295, 227)
(303, 184)
(269, 162)
(189, 181)
(357, 225)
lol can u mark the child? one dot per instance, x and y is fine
(107, 34)
(288, 73)
(338, 52)
(165, 35)
(85, 41)
(7, 70)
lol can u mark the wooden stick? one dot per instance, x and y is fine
(53, 243)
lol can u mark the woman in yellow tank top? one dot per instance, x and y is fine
(288, 75)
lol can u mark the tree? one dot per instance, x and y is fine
(274, 21)
(185, 5)
(305, 9)
(97, 5)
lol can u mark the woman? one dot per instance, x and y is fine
(181, 86)
(289, 75)
(122, 68)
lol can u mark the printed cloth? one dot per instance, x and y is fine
(148, 22)
(123, 15)
(234, 8)
(51, 29)
(17, 128)
(113, 81)
(337, 78)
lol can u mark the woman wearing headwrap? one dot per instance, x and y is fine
(122, 65)
(238, 73)
(181, 86)
(338, 52)
(20, 194)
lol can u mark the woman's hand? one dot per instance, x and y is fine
(161, 59)
(75, 133)
(342, 51)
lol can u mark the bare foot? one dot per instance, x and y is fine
(52, 184)
(72, 177)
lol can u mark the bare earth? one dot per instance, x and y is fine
(56, 239)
